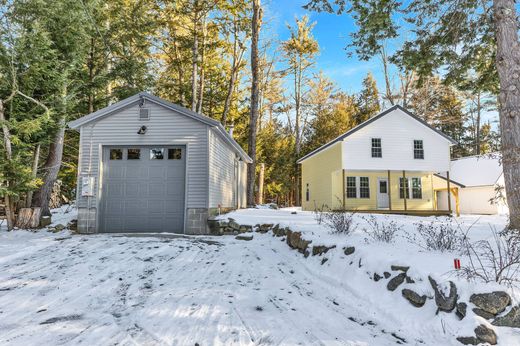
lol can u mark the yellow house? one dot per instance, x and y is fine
(386, 164)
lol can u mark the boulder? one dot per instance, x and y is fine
(377, 277)
(349, 250)
(399, 268)
(234, 225)
(387, 275)
(409, 280)
(485, 334)
(264, 228)
(467, 340)
(396, 281)
(213, 225)
(323, 260)
(244, 237)
(483, 314)
(461, 310)
(493, 303)
(444, 303)
(318, 250)
(295, 241)
(414, 298)
(245, 228)
(511, 319)
(45, 221)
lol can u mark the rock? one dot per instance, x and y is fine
(387, 275)
(244, 237)
(493, 303)
(349, 250)
(483, 314)
(321, 249)
(295, 241)
(485, 334)
(377, 277)
(444, 303)
(414, 298)
(399, 268)
(293, 213)
(266, 227)
(73, 225)
(409, 280)
(323, 260)
(45, 221)
(279, 232)
(468, 340)
(214, 225)
(245, 228)
(461, 310)
(234, 225)
(511, 319)
(395, 282)
(59, 227)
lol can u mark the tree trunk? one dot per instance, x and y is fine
(194, 61)
(36, 159)
(232, 78)
(255, 79)
(477, 125)
(297, 144)
(51, 169)
(388, 87)
(201, 78)
(508, 66)
(261, 184)
(91, 77)
(9, 204)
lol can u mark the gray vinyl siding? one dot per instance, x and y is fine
(165, 127)
(221, 172)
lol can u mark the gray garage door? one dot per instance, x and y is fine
(143, 189)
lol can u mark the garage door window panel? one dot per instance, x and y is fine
(134, 154)
(156, 154)
(116, 154)
(175, 154)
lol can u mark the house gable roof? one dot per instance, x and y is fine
(135, 99)
(370, 121)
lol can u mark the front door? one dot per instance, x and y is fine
(382, 193)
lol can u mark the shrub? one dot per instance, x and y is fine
(318, 212)
(340, 221)
(438, 236)
(382, 232)
(497, 260)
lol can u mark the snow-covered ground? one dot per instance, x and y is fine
(57, 288)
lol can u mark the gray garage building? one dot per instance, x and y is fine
(148, 165)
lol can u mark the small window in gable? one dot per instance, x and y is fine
(144, 113)
(418, 149)
(376, 147)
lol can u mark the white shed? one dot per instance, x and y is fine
(148, 165)
(480, 183)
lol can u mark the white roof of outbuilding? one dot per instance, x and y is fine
(479, 170)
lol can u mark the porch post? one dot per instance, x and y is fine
(343, 193)
(389, 192)
(449, 190)
(405, 190)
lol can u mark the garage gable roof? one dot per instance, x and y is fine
(135, 99)
(478, 170)
(371, 120)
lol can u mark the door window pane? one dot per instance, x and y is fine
(133, 154)
(382, 186)
(175, 154)
(364, 187)
(157, 154)
(116, 154)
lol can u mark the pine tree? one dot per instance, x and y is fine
(368, 100)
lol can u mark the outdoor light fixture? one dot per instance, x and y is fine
(142, 130)
(141, 101)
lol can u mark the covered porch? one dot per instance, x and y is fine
(392, 192)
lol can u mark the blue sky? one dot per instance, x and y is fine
(333, 34)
